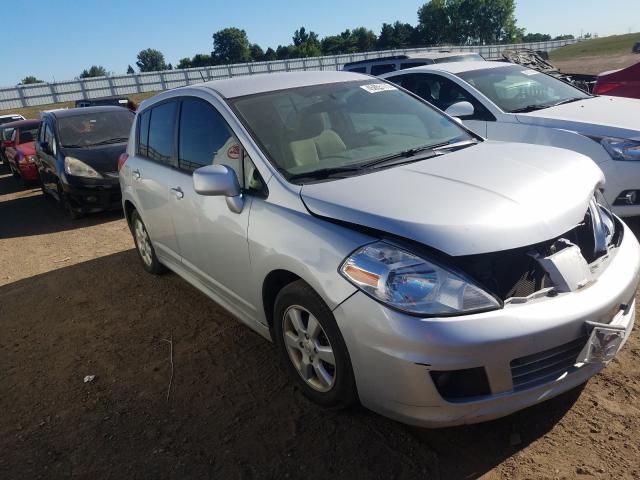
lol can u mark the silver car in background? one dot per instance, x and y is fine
(393, 256)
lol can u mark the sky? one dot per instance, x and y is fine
(56, 39)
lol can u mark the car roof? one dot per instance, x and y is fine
(268, 82)
(20, 124)
(412, 56)
(457, 67)
(72, 112)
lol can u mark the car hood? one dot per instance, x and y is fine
(615, 116)
(490, 197)
(28, 148)
(102, 158)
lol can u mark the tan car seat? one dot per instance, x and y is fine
(315, 141)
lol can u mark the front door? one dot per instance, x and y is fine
(212, 239)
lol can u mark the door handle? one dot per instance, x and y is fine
(178, 192)
(136, 174)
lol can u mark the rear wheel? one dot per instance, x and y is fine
(144, 246)
(312, 347)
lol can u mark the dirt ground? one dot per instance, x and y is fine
(597, 64)
(75, 301)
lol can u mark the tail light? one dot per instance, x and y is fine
(122, 159)
(605, 87)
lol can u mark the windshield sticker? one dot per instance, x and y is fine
(529, 72)
(378, 87)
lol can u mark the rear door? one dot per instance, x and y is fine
(151, 170)
(212, 239)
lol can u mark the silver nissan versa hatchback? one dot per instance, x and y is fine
(393, 256)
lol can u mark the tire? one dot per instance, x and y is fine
(305, 350)
(144, 247)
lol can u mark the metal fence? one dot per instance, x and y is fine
(80, 89)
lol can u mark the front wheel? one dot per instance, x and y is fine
(144, 246)
(312, 347)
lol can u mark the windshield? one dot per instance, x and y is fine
(515, 88)
(342, 125)
(28, 135)
(98, 128)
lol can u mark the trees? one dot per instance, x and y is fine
(536, 37)
(94, 71)
(151, 60)
(305, 44)
(30, 79)
(398, 35)
(466, 22)
(130, 70)
(231, 45)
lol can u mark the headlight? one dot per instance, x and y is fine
(31, 158)
(621, 148)
(75, 167)
(412, 284)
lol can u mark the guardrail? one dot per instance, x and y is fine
(80, 89)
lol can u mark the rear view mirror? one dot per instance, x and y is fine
(219, 180)
(460, 109)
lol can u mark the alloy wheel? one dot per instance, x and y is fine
(309, 348)
(143, 242)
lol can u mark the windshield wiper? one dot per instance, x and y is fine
(324, 173)
(411, 154)
(531, 108)
(569, 100)
(110, 141)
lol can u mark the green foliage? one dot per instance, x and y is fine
(467, 22)
(151, 60)
(28, 80)
(613, 45)
(564, 37)
(231, 45)
(536, 37)
(398, 35)
(94, 71)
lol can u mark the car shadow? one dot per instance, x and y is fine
(25, 211)
(183, 390)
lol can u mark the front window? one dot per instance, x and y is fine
(347, 125)
(98, 128)
(515, 88)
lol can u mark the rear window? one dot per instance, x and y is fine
(412, 64)
(358, 69)
(469, 57)
(95, 128)
(161, 132)
(383, 68)
(9, 119)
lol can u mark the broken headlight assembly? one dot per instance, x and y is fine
(412, 284)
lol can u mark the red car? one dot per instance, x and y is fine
(619, 83)
(20, 149)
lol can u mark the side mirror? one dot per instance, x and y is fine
(460, 109)
(46, 148)
(219, 180)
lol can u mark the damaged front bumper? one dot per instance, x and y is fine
(456, 370)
